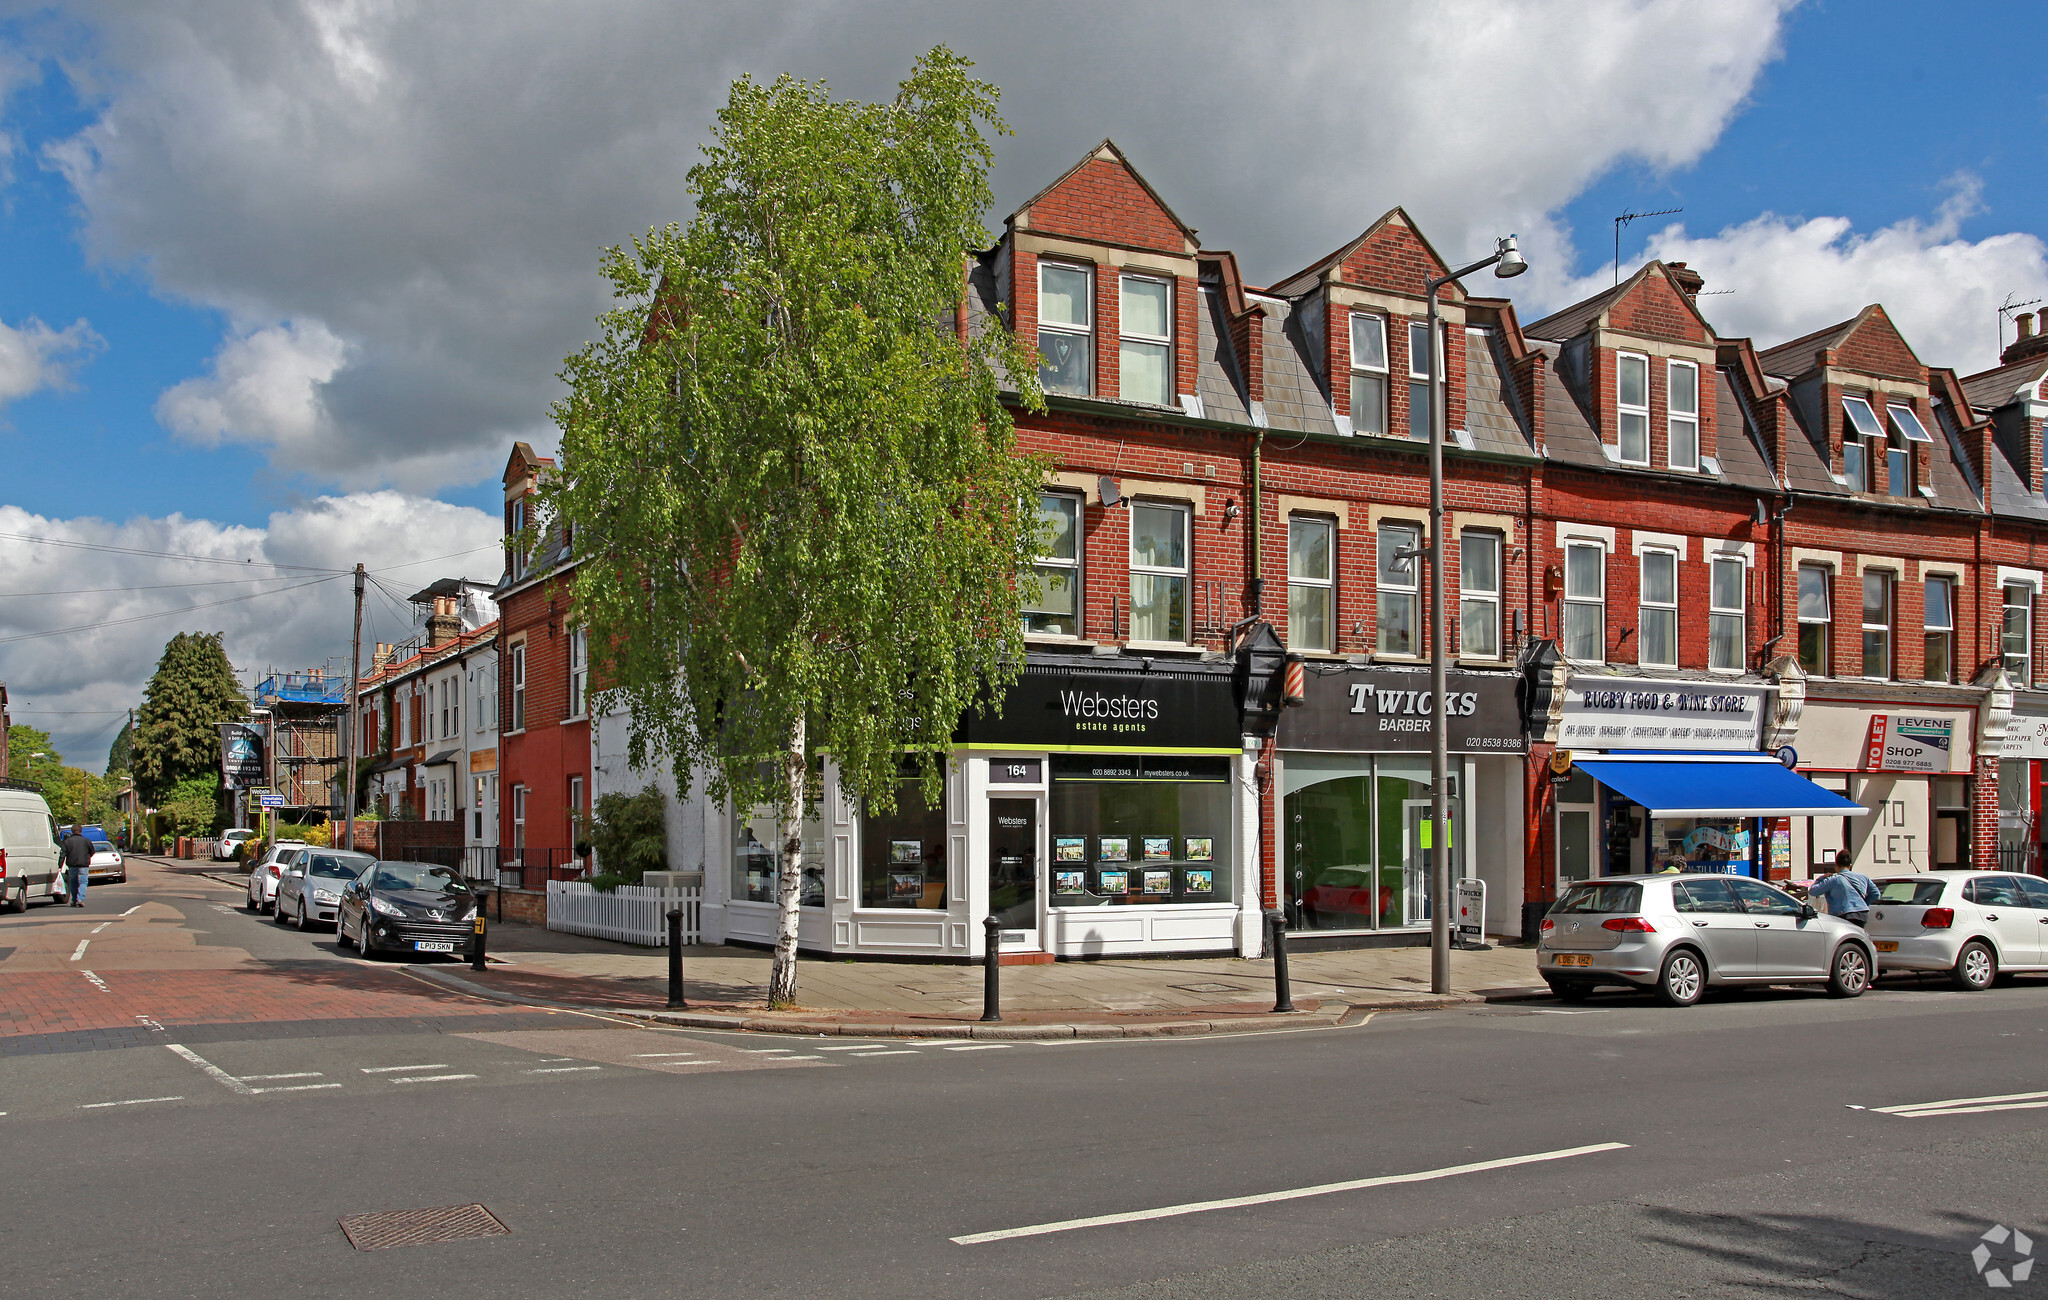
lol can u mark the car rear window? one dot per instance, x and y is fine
(1602, 898)
(1913, 893)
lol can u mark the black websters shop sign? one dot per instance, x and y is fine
(1391, 710)
(1079, 710)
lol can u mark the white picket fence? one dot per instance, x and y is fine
(629, 914)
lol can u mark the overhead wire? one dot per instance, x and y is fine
(161, 555)
(158, 586)
(167, 613)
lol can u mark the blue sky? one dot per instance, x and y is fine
(320, 261)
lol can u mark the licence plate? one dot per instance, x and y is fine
(1574, 959)
(432, 945)
(1886, 945)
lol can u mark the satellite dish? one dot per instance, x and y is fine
(1107, 489)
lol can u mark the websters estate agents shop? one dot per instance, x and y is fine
(1354, 775)
(1104, 809)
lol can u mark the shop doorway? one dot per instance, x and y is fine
(1013, 871)
(1415, 873)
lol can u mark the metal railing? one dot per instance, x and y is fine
(500, 865)
(2019, 858)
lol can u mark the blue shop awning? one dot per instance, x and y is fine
(1717, 785)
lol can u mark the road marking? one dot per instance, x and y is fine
(133, 910)
(1954, 1104)
(101, 926)
(763, 1051)
(905, 1051)
(262, 1078)
(149, 1022)
(1545, 1011)
(301, 1087)
(565, 1069)
(212, 1071)
(1292, 1194)
(977, 1047)
(137, 1101)
(97, 982)
(640, 1054)
(81, 949)
(402, 1069)
(431, 1078)
(857, 1047)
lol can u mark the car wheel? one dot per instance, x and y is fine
(1571, 990)
(1850, 974)
(255, 906)
(305, 922)
(1683, 980)
(1976, 967)
(21, 899)
(367, 949)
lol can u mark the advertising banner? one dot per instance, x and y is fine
(1903, 743)
(1636, 713)
(241, 753)
(1113, 711)
(1389, 710)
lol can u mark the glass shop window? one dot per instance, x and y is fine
(1140, 831)
(903, 851)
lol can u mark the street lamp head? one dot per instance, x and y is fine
(1511, 263)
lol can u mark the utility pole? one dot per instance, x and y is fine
(348, 748)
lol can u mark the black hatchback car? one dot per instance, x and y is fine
(415, 907)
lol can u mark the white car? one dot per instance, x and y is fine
(224, 849)
(1970, 925)
(107, 863)
(309, 891)
(263, 879)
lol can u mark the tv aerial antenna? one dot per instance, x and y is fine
(2006, 310)
(1623, 220)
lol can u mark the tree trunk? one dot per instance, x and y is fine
(789, 881)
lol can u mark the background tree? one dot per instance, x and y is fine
(32, 759)
(177, 729)
(796, 489)
(121, 755)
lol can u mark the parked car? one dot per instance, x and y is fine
(1683, 934)
(264, 876)
(1970, 925)
(107, 863)
(224, 848)
(309, 890)
(28, 849)
(406, 906)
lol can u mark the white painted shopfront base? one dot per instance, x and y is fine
(1104, 931)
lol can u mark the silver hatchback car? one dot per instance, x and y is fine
(1972, 926)
(1681, 934)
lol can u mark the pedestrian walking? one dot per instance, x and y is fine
(77, 865)
(1847, 892)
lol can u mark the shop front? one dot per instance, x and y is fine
(1658, 775)
(1354, 775)
(2022, 768)
(1102, 810)
(1906, 759)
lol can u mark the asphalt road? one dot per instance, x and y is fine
(1740, 1145)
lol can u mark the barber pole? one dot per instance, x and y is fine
(1297, 681)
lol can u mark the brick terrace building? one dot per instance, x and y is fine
(1667, 552)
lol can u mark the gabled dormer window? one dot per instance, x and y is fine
(1682, 397)
(1066, 328)
(1419, 374)
(1145, 358)
(1632, 407)
(1368, 373)
(1906, 430)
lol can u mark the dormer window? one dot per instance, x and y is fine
(1066, 328)
(1906, 430)
(1368, 373)
(1860, 441)
(1682, 396)
(1632, 407)
(1145, 360)
(1419, 373)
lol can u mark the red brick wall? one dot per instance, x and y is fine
(549, 750)
(1875, 348)
(1103, 201)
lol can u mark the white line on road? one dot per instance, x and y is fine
(138, 1101)
(81, 949)
(640, 1054)
(97, 982)
(432, 1078)
(977, 1047)
(263, 1078)
(1951, 1103)
(212, 1071)
(1292, 1194)
(1595, 1011)
(101, 926)
(857, 1047)
(133, 910)
(902, 1051)
(402, 1069)
(565, 1069)
(301, 1087)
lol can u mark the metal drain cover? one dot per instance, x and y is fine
(421, 1227)
(1211, 988)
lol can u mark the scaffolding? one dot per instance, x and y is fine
(306, 712)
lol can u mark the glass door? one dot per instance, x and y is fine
(1415, 874)
(1013, 871)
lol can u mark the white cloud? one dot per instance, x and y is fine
(34, 357)
(74, 684)
(433, 183)
(265, 388)
(1790, 276)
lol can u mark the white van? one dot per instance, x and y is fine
(28, 848)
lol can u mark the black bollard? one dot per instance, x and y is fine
(992, 985)
(675, 957)
(476, 941)
(1283, 1000)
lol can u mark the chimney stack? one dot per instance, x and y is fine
(381, 659)
(2028, 344)
(1686, 278)
(444, 624)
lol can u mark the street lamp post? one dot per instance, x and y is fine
(1506, 262)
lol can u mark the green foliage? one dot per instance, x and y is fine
(630, 834)
(797, 491)
(121, 756)
(177, 729)
(193, 805)
(47, 773)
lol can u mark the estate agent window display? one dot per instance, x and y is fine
(1140, 831)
